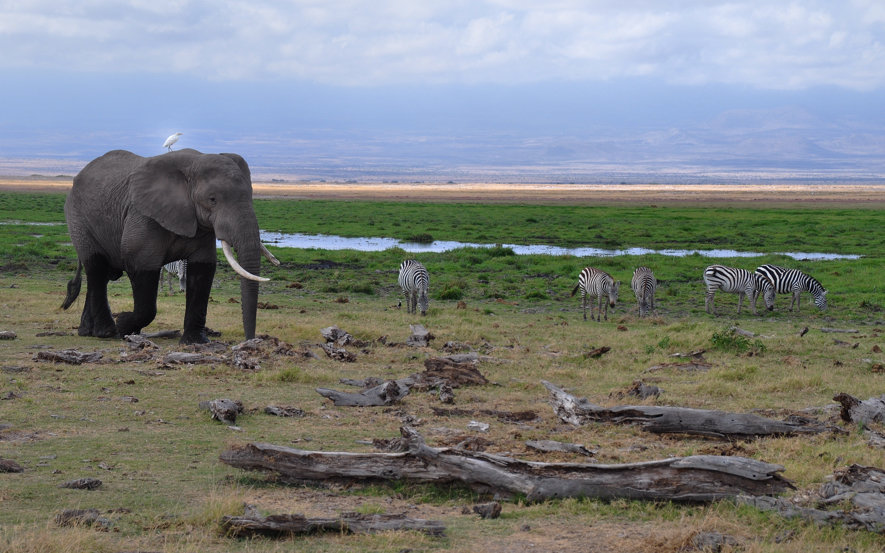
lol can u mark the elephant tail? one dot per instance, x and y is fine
(73, 287)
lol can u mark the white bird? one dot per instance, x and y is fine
(171, 140)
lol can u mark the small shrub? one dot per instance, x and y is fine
(451, 293)
(729, 340)
(420, 238)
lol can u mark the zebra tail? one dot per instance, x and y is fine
(73, 287)
(575, 289)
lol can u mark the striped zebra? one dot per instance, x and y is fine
(737, 281)
(794, 281)
(644, 285)
(178, 268)
(414, 280)
(594, 282)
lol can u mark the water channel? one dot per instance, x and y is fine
(330, 242)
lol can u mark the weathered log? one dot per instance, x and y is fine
(698, 365)
(53, 333)
(335, 335)
(82, 484)
(223, 410)
(82, 517)
(597, 352)
(488, 510)
(190, 358)
(742, 332)
(697, 354)
(420, 337)
(387, 393)
(338, 354)
(69, 356)
(7, 335)
(252, 523)
(692, 479)
(8, 465)
(283, 411)
(549, 446)
(866, 411)
(439, 370)
(840, 330)
(503, 416)
(862, 487)
(679, 420)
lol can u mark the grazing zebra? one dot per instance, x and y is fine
(794, 281)
(177, 268)
(414, 280)
(644, 284)
(594, 282)
(737, 281)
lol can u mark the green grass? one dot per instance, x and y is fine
(158, 457)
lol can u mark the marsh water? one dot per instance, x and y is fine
(331, 242)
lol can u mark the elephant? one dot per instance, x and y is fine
(131, 213)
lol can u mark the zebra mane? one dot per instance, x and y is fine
(814, 286)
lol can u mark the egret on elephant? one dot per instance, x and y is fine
(128, 213)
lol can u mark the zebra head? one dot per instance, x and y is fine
(422, 301)
(820, 300)
(766, 287)
(613, 293)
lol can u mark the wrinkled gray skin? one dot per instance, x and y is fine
(134, 214)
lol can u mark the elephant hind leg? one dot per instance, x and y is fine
(144, 296)
(96, 319)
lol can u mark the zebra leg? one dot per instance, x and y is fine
(584, 305)
(740, 300)
(796, 299)
(708, 302)
(599, 309)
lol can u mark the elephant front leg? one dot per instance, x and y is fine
(144, 296)
(199, 285)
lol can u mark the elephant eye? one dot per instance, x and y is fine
(212, 200)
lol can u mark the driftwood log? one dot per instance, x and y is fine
(69, 356)
(559, 447)
(696, 479)
(678, 420)
(862, 411)
(252, 523)
(863, 488)
(386, 393)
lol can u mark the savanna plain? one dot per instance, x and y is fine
(135, 422)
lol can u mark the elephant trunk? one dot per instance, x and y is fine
(245, 240)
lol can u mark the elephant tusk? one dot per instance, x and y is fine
(229, 255)
(270, 257)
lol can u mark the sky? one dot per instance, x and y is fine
(400, 79)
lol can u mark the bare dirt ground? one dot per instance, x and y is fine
(870, 195)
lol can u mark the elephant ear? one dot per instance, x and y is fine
(241, 163)
(159, 189)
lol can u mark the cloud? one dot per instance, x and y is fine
(755, 43)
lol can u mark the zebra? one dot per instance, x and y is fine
(794, 281)
(177, 268)
(737, 281)
(594, 282)
(643, 285)
(414, 280)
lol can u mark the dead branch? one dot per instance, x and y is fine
(841, 330)
(863, 487)
(252, 523)
(420, 337)
(866, 411)
(681, 420)
(69, 356)
(697, 478)
(548, 446)
(387, 393)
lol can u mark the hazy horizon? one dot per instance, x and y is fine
(567, 91)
